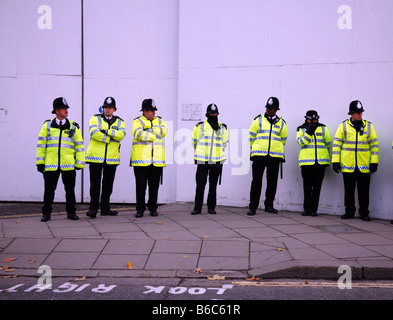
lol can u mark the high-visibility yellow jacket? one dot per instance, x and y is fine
(148, 143)
(355, 149)
(314, 148)
(105, 147)
(60, 149)
(267, 138)
(209, 144)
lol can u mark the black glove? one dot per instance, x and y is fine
(104, 131)
(41, 168)
(373, 167)
(77, 168)
(311, 127)
(336, 167)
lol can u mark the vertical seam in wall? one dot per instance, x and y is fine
(82, 93)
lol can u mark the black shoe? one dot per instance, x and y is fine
(194, 212)
(347, 216)
(365, 218)
(391, 222)
(91, 213)
(313, 214)
(305, 214)
(72, 216)
(154, 213)
(109, 213)
(270, 210)
(211, 211)
(139, 215)
(251, 212)
(45, 217)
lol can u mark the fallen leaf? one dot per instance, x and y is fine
(253, 279)
(166, 238)
(185, 256)
(5, 267)
(19, 221)
(5, 277)
(31, 261)
(306, 282)
(9, 270)
(204, 237)
(80, 279)
(9, 259)
(280, 249)
(216, 277)
(159, 223)
(130, 266)
(198, 270)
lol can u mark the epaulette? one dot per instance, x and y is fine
(119, 118)
(199, 123)
(223, 124)
(283, 120)
(47, 120)
(98, 114)
(257, 116)
(76, 125)
(136, 118)
(159, 117)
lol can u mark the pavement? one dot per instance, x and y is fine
(176, 244)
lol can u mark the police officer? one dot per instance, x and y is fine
(103, 156)
(210, 138)
(356, 155)
(314, 140)
(268, 136)
(60, 150)
(148, 156)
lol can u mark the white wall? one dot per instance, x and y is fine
(230, 52)
(238, 53)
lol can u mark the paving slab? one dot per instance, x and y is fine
(174, 244)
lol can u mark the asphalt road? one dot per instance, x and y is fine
(190, 290)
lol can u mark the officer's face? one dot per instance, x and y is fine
(149, 115)
(271, 112)
(357, 116)
(108, 111)
(62, 113)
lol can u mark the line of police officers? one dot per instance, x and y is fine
(60, 150)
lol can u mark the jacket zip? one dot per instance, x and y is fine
(61, 133)
(356, 150)
(152, 145)
(270, 136)
(316, 149)
(211, 147)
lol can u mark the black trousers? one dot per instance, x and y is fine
(50, 181)
(108, 175)
(312, 182)
(144, 176)
(203, 171)
(258, 167)
(362, 181)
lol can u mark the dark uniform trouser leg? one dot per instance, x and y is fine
(201, 179)
(256, 185)
(362, 180)
(312, 182)
(144, 176)
(271, 182)
(108, 175)
(51, 178)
